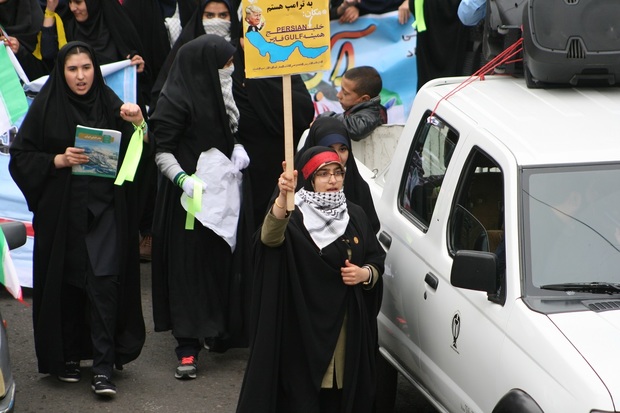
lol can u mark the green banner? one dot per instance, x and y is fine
(11, 91)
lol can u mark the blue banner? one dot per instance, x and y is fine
(379, 41)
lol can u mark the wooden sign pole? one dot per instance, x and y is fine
(288, 135)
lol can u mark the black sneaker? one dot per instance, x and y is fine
(102, 385)
(186, 368)
(72, 372)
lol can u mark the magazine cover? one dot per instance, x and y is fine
(102, 146)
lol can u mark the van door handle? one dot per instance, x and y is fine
(431, 280)
(385, 239)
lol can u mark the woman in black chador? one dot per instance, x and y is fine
(22, 20)
(195, 279)
(317, 292)
(86, 275)
(106, 27)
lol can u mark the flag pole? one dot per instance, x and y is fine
(288, 135)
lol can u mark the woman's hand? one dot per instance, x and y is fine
(51, 5)
(72, 156)
(349, 15)
(353, 275)
(286, 183)
(131, 112)
(137, 60)
(403, 12)
(10, 41)
(50, 8)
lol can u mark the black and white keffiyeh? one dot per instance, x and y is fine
(325, 215)
(229, 100)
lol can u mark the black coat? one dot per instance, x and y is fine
(47, 130)
(442, 48)
(196, 282)
(299, 305)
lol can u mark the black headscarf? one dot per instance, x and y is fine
(149, 23)
(191, 99)
(56, 111)
(108, 30)
(355, 187)
(22, 19)
(186, 8)
(149, 17)
(192, 30)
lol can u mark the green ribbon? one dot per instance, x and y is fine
(132, 158)
(194, 203)
(2, 257)
(419, 23)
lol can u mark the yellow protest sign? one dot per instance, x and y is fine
(285, 38)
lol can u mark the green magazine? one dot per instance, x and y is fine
(102, 146)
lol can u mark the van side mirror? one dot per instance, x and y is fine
(475, 270)
(15, 234)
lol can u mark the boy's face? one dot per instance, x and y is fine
(347, 95)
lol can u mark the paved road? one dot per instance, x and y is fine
(145, 385)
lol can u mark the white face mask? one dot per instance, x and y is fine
(217, 26)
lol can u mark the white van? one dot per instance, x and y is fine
(500, 214)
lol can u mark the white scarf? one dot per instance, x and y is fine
(229, 100)
(218, 27)
(325, 215)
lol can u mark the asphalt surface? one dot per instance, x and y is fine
(145, 385)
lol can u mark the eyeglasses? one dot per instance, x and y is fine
(324, 176)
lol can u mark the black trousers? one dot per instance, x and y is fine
(187, 347)
(331, 400)
(94, 306)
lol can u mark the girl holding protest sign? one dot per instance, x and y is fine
(317, 292)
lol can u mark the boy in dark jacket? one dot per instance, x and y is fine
(359, 97)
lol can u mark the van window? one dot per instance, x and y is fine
(477, 216)
(571, 223)
(426, 167)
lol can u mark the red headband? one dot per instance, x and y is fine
(317, 160)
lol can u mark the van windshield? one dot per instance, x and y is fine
(572, 226)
